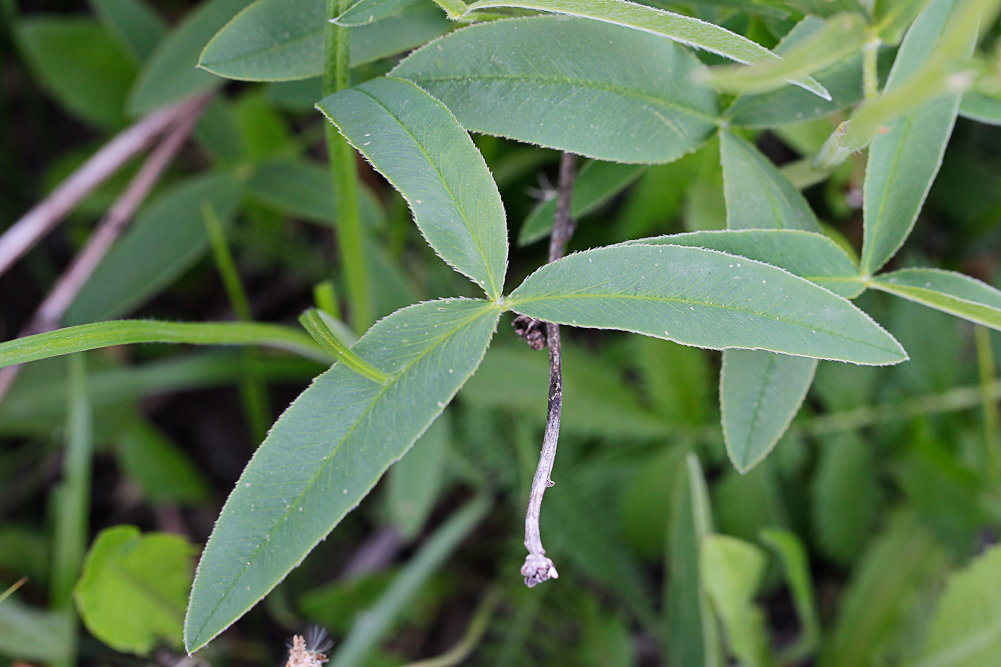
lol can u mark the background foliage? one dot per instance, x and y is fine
(843, 515)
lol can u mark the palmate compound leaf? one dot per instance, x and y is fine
(593, 88)
(904, 160)
(329, 449)
(949, 292)
(703, 298)
(413, 140)
(680, 28)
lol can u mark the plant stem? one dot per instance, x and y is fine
(73, 496)
(125, 332)
(344, 171)
(870, 75)
(253, 388)
(985, 361)
(474, 634)
(538, 567)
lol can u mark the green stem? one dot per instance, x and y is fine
(226, 265)
(474, 634)
(870, 75)
(344, 170)
(314, 321)
(126, 332)
(992, 443)
(72, 496)
(253, 388)
(325, 298)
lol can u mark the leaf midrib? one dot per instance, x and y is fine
(393, 379)
(756, 416)
(513, 305)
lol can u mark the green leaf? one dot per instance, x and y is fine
(693, 636)
(893, 17)
(757, 195)
(684, 29)
(136, 25)
(791, 104)
(731, 571)
(282, 40)
(416, 480)
(796, 567)
(747, 503)
(904, 160)
(564, 83)
(812, 256)
(595, 184)
(304, 189)
(982, 108)
(374, 623)
(947, 291)
(162, 470)
(413, 140)
(841, 35)
(132, 592)
(702, 298)
(369, 11)
(327, 452)
(80, 65)
(132, 272)
(846, 497)
(883, 591)
(966, 629)
(171, 73)
(645, 505)
(759, 394)
(30, 634)
(126, 332)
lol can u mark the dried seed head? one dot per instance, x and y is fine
(308, 651)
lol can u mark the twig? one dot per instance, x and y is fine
(43, 218)
(538, 567)
(66, 289)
